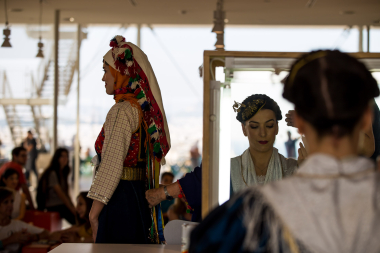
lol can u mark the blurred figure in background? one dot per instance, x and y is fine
(30, 145)
(15, 233)
(178, 211)
(195, 156)
(10, 179)
(53, 189)
(81, 232)
(290, 145)
(166, 178)
(19, 157)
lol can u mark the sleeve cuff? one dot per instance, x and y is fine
(98, 197)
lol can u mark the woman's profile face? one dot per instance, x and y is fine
(11, 181)
(261, 130)
(108, 79)
(63, 159)
(81, 207)
(6, 207)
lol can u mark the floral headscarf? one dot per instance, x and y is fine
(129, 60)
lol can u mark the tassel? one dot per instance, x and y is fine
(155, 136)
(152, 129)
(140, 95)
(145, 106)
(128, 54)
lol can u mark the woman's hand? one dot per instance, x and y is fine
(302, 154)
(96, 208)
(94, 227)
(290, 118)
(155, 196)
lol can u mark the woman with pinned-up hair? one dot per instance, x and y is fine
(130, 147)
(260, 163)
(331, 203)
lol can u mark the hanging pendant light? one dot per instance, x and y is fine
(6, 31)
(219, 20)
(40, 53)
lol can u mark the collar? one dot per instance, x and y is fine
(324, 164)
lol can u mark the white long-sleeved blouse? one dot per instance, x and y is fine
(121, 122)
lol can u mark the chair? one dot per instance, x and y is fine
(173, 231)
(50, 221)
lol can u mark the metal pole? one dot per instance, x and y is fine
(139, 35)
(368, 30)
(56, 82)
(77, 145)
(360, 39)
(214, 138)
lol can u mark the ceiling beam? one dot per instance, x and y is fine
(26, 101)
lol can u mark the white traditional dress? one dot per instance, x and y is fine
(328, 205)
(243, 171)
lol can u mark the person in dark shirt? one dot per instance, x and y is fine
(189, 188)
(290, 145)
(30, 145)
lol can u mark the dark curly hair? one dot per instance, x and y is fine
(330, 90)
(270, 104)
(8, 172)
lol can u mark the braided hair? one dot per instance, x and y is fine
(270, 104)
(331, 90)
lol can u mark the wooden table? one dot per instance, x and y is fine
(116, 248)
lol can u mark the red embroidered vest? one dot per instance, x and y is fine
(136, 152)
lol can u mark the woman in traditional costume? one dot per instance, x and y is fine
(260, 163)
(130, 147)
(331, 203)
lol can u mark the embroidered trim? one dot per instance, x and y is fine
(133, 174)
(96, 196)
(183, 196)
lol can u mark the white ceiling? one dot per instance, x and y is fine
(240, 12)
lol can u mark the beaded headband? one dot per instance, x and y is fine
(250, 109)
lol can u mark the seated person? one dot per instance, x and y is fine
(331, 203)
(166, 179)
(15, 233)
(178, 211)
(53, 189)
(19, 158)
(10, 180)
(260, 163)
(81, 232)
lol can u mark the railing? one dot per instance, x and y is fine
(41, 89)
